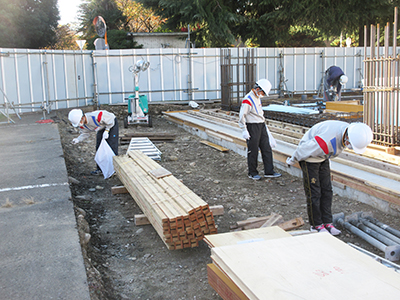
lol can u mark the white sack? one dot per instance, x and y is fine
(104, 159)
(272, 141)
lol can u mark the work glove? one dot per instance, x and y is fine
(290, 161)
(75, 141)
(105, 134)
(245, 134)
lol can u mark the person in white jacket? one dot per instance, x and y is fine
(102, 122)
(254, 130)
(321, 142)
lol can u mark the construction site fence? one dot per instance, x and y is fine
(53, 79)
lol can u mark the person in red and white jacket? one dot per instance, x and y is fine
(321, 142)
(254, 130)
(104, 123)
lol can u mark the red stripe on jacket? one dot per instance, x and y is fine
(245, 101)
(99, 116)
(322, 144)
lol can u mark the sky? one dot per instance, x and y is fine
(68, 10)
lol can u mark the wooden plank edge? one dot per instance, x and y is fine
(141, 219)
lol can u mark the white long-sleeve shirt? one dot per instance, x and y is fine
(322, 141)
(96, 121)
(251, 110)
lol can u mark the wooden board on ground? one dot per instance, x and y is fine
(312, 267)
(245, 236)
(292, 224)
(119, 190)
(215, 146)
(268, 221)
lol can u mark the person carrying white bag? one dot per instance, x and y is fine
(105, 125)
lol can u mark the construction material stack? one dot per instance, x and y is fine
(180, 217)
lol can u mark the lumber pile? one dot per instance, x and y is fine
(217, 210)
(180, 217)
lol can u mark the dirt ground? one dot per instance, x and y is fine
(125, 261)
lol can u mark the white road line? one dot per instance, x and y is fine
(28, 187)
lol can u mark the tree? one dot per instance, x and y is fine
(139, 18)
(65, 39)
(333, 17)
(108, 9)
(116, 39)
(121, 16)
(28, 23)
(212, 20)
(271, 22)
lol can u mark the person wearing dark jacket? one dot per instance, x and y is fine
(334, 78)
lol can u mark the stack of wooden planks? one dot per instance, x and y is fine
(180, 217)
(268, 263)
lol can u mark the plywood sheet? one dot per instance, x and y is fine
(245, 236)
(316, 266)
(223, 285)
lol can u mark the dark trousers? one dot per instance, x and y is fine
(113, 138)
(331, 96)
(258, 140)
(318, 189)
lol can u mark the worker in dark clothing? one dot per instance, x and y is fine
(321, 142)
(102, 122)
(334, 79)
(255, 131)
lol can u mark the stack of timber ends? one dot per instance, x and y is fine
(180, 217)
(223, 285)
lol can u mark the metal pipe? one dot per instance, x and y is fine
(384, 226)
(379, 259)
(375, 234)
(380, 230)
(358, 232)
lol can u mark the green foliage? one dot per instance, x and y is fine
(212, 20)
(28, 23)
(116, 40)
(108, 9)
(270, 23)
(65, 39)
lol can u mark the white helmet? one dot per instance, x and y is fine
(265, 85)
(343, 79)
(75, 116)
(360, 135)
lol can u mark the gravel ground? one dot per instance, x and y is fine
(125, 261)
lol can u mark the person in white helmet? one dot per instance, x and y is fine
(321, 142)
(102, 122)
(334, 78)
(254, 131)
